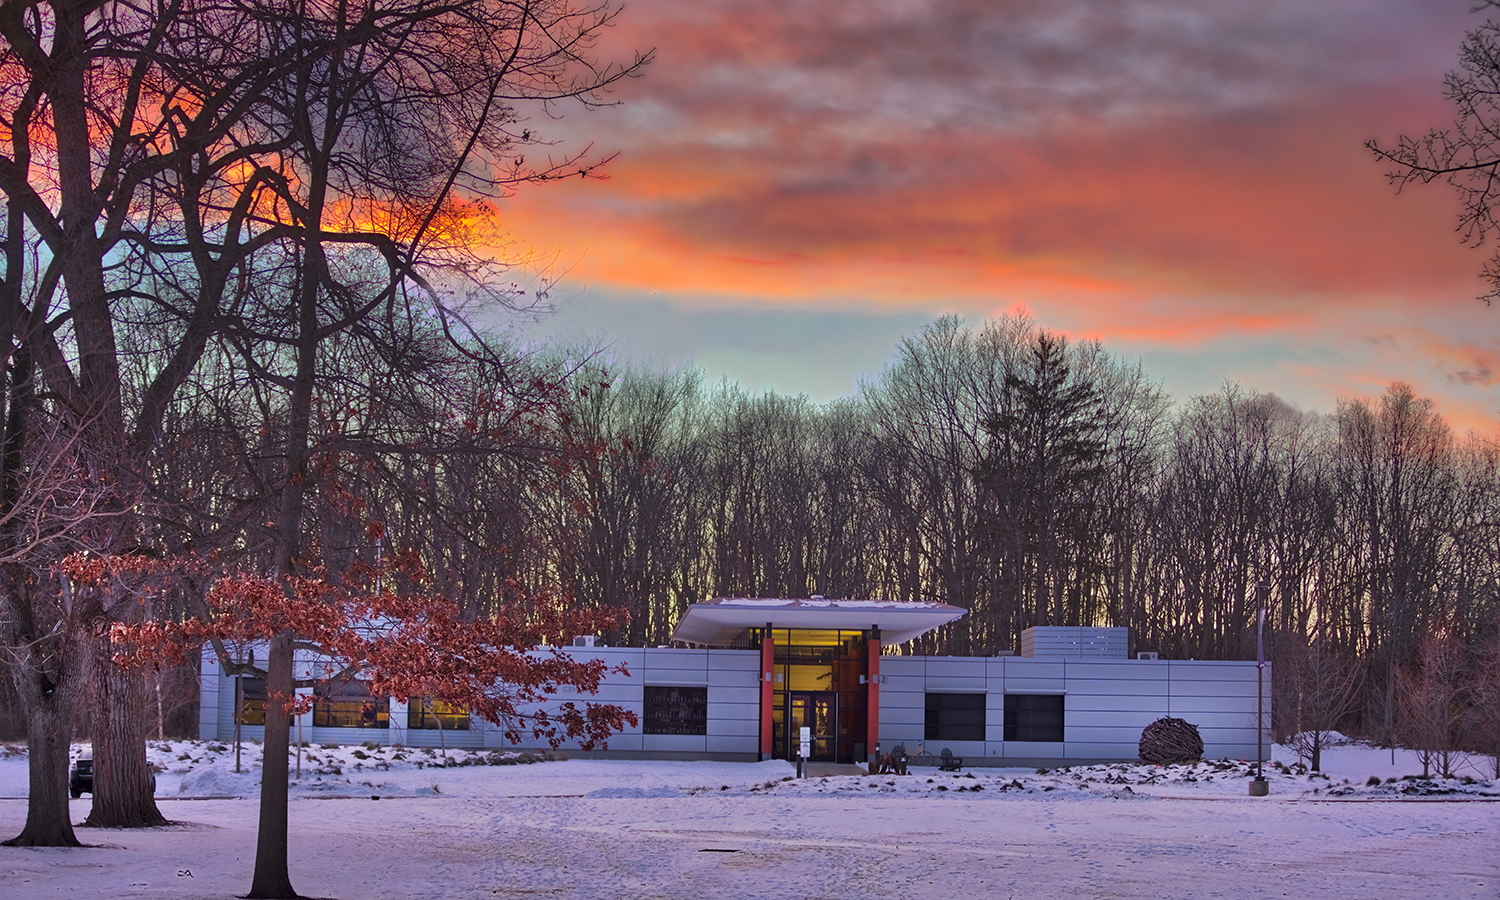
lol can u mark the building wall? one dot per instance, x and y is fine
(1107, 703)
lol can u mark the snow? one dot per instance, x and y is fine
(382, 822)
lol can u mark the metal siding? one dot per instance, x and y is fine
(1114, 670)
(734, 660)
(1016, 667)
(735, 679)
(1155, 706)
(903, 666)
(676, 659)
(953, 667)
(473, 739)
(1014, 685)
(628, 742)
(959, 748)
(1033, 749)
(1123, 688)
(728, 727)
(903, 715)
(675, 743)
(1193, 706)
(1109, 734)
(748, 712)
(1101, 750)
(892, 734)
(1221, 720)
(676, 677)
(1111, 718)
(1198, 670)
(897, 684)
(734, 743)
(616, 693)
(941, 684)
(738, 694)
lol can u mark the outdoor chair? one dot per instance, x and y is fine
(950, 762)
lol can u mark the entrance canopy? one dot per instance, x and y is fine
(719, 622)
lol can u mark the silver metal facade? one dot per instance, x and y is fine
(1107, 702)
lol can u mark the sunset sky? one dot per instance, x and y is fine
(802, 182)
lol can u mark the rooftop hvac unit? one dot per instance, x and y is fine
(1145, 655)
(585, 640)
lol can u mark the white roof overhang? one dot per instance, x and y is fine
(719, 622)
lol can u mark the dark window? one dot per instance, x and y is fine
(1034, 717)
(955, 717)
(349, 704)
(676, 710)
(435, 714)
(252, 701)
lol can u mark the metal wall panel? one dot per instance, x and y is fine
(959, 748)
(1192, 706)
(1115, 670)
(909, 666)
(1016, 667)
(903, 715)
(1157, 706)
(658, 659)
(1111, 734)
(675, 743)
(748, 694)
(728, 743)
(733, 727)
(1014, 685)
(939, 684)
(898, 684)
(953, 667)
(1110, 718)
(1085, 749)
(1121, 688)
(893, 733)
(1212, 670)
(473, 739)
(1033, 750)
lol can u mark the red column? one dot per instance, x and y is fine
(872, 711)
(767, 693)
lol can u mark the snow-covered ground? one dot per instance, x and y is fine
(378, 822)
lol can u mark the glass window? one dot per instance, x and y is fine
(252, 701)
(349, 704)
(1034, 717)
(954, 717)
(434, 714)
(675, 710)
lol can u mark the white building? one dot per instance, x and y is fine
(760, 669)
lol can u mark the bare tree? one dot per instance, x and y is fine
(1316, 690)
(1430, 697)
(1467, 155)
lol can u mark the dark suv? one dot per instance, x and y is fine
(81, 779)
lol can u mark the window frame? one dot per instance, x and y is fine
(1035, 725)
(342, 704)
(665, 709)
(946, 720)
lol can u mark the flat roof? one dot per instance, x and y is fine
(719, 621)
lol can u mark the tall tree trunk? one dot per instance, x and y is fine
(271, 880)
(47, 681)
(122, 782)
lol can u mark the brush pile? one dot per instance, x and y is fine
(1169, 740)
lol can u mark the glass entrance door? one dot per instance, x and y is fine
(818, 711)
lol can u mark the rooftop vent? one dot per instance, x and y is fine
(1054, 640)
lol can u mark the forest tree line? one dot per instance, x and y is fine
(1037, 481)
